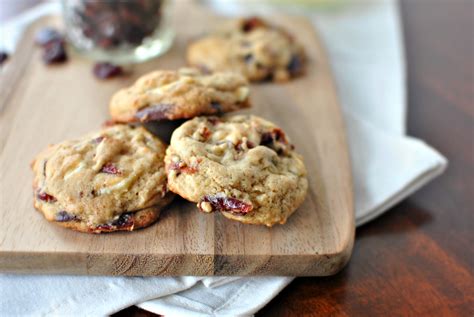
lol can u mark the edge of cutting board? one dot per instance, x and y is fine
(94, 263)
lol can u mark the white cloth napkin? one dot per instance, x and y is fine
(363, 39)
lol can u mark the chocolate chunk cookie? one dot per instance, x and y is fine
(181, 94)
(251, 46)
(243, 166)
(105, 181)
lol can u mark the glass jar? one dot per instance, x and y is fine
(119, 31)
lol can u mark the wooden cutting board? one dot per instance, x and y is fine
(41, 105)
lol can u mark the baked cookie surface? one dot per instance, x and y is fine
(109, 180)
(252, 47)
(242, 166)
(181, 94)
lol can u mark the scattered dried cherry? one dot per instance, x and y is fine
(3, 57)
(111, 24)
(110, 168)
(107, 70)
(54, 52)
(47, 35)
(46, 197)
(229, 204)
(64, 216)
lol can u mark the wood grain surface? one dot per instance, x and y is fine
(417, 259)
(41, 105)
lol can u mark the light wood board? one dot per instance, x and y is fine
(41, 105)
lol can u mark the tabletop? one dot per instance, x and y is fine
(417, 259)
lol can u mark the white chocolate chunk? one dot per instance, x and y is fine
(81, 166)
(206, 206)
(242, 93)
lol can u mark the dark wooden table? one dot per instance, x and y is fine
(417, 259)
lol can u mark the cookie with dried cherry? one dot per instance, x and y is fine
(242, 166)
(110, 180)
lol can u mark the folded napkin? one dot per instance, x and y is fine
(364, 44)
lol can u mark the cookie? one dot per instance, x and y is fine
(181, 94)
(251, 46)
(243, 166)
(109, 180)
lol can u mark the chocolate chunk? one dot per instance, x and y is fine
(124, 221)
(64, 216)
(217, 107)
(154, 112)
